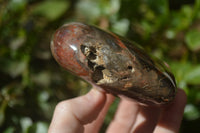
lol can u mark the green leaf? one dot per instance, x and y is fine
(14, 68)
(179, 69)
(186, 73)
(9, 130)
(196, 10)
(42, 78)
(121, 27)
(17, 5)
(89, 10)
(159, 6)
(51, 9)
(193, 40)
(191, 112)
(193, 75)
(39, 127)
(25, 122)
(42, 127)
(182, 20)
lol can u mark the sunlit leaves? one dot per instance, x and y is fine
(14, 68)
(17, 5)
(92, 10)
(39, 127)
(121, 27)
(25, 123)
(186, 72)
(191, 112)
(182, 19)
(193, 40)
(52, 10)
(29, 127)
(84, 9)
(192, 76)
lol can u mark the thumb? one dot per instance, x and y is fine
(70, 115)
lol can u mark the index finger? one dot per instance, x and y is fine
(171, 115)
(70, 116)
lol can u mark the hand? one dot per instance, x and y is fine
(86, 114)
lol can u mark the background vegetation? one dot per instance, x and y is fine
(31, 82)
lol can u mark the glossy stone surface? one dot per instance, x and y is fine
(113, 63)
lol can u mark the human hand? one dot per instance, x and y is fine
(86, 114)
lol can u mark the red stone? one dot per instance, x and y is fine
(113, 63)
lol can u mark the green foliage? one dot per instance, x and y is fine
(32, 83)
(193, 40)
(52, 10)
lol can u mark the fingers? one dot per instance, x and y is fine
(171, 116)
(96, 124)
(147, 119)
(124, 117)
(71, 115)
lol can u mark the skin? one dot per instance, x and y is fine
(85, 114)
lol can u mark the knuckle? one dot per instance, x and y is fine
(62, 107)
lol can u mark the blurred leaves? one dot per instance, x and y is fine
(52, 10)
(193, 40)
(39, 127)
(25, 124)
(32, 83)
(14, 68)
(93, 10)
(193, 75)
(121, 27)
(2, 111)
(17, 5)
(191, 112)
(186, 72)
